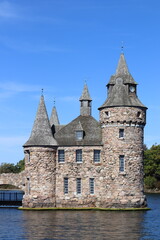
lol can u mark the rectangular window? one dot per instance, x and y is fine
(91, 185)
(79, 155)
(79, 135)
(121, 133)
(97, 155)
(121, 163)
(78, 186)
(65, 185)
(61, 156)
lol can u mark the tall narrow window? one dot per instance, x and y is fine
(97, 155)
(91, 185)
(79, 155)
(28, 185)
(61, 156)
(121, 163)
(121, 133)
(27, 155)
(65, 185)
(78, 186)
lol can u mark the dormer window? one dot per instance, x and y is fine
(132, 89)
(79, 135)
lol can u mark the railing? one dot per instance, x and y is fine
(8, 197)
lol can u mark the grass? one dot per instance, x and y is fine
(84, 209)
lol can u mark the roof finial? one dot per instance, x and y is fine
(54, 102)
(122, 47)
(85, 81)
(42, 92)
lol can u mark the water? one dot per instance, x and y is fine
(85, 225)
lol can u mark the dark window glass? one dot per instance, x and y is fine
(97, 155)
(79, 155)
(121, 163)
(65, 185)
(61, 156)
(78, 185)
(91, 185)
(121, 133)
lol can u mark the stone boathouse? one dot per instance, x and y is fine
(89, 163)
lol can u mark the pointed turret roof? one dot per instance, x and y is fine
(54, 117)
(41, 134)
(118, 88)
(85, 94)
(123, 72)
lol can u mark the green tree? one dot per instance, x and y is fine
(7, 168)
(12, 168)
(152, 166)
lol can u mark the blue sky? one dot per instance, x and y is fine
(58, 45)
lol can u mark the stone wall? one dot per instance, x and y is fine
(123, 188)
(15, 179)
(85, 170)
(40, 177)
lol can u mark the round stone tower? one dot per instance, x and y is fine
(122, 119)
(40, 163)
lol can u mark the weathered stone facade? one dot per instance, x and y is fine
(15, 179)
(89, 163)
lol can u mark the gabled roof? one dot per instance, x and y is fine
(85, 94)
(41, 134)
(92, 132)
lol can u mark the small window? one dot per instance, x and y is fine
(121, 163)
(61, 156)
(121, 133)
(97, 155)
(91, 185)
(107, 114)
(27, 156)
(139, 114)
(79, 155)
(65, 185)
(79, 135)
(78, 186)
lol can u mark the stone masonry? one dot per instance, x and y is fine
(87, 163)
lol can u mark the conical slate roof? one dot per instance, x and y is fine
(54, 117)
(85, 94)
(41, 134)
(118, 88)
(123, 72)
(119, 97)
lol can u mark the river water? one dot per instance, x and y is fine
(86, 225)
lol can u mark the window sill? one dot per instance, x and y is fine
(122, 173)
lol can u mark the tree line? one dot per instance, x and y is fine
(151, 167)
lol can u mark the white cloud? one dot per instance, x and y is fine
(7, 10)
(18, 87)
(12, 141)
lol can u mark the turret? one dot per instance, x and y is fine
(54, 121)
(40, 162)
(85, 100)
(122, 118)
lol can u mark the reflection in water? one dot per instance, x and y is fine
(83, 225)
